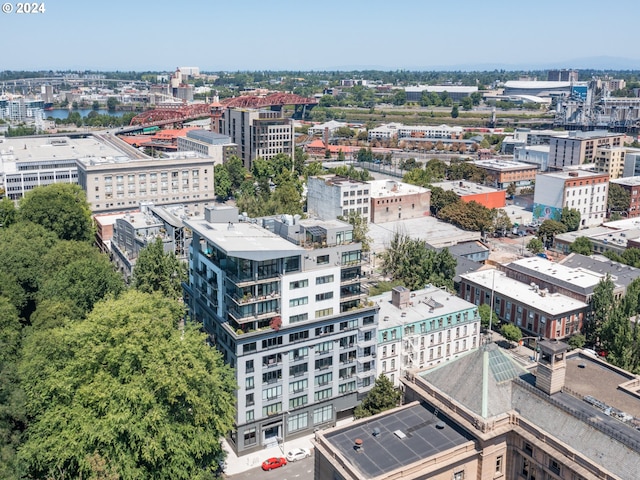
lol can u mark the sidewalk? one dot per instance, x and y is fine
(235, 464)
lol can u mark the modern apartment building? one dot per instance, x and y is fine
(576, 148)
(121, 183)
(258, 133)
(422, 329)
(582, 190)
(332, 196)
(282, 300)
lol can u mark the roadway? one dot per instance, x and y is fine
(302, 469)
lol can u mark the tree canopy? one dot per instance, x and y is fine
(61, 208)
(570, 217)
(413, 263)
(380, 398)
(582, 245)
(128, 389)
(159, 271)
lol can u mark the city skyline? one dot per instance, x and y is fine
(288, 35)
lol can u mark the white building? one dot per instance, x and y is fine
(538, 155)
(423, 328)
(330, 127)
(208, 144)
(384, 132)
(284, 304)
(578, 189)
(332, 196)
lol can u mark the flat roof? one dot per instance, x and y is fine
(393, 188)
(35, 149)
(463, 187)
(576, 279)
(628, 181)
(386, 452)
(569, 174)
(503, 165)
(245, 240)
(552, 303)
(435, 232)
(427, 303)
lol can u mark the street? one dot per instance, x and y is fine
(302, 469)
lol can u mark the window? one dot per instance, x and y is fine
(271, 377)
(271, 360)
(297, 422)
(249, 366)
(272, 342)
(369, 320)
(250, 416)
(347, 387)
(296, 337)
(297, 370)
(458, 475)
(554, 466)
(349, 325)
(299, 284)
(249, 347)
(298, 354)
(298, 401)
(249, 399)
(248, 383)
(322, 259)
(298, 318)
(499, 461)
(324, 279)
(271, 409)
(250, 436)
(322, 414)
(324, 296)
(325, 312)
(323, 363)
(272, 393)
(324, 379)
(294, 302)
(324, 347)
(298, 386)
(324, 330)
(322, 395)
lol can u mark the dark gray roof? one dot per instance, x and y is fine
(623, 274)
(479, 380)
(464, 265)
(468, 248)
(386, 452)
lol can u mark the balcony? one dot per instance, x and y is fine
(248, 299)
(242, 317)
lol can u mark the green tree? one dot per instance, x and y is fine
(501, 221)
(157, 271)
(486, 316)
(127, 384)
(360, 229)
(618, 199)
(382, 396)
(455, 112)
(535, 246)
(95, 105)
(582, 245)
(221, 181)
(8, 212)
(570, 217)
(61, 208)
(602, 305)
(511, 332)
(511, 189)
(577, 341)
(112, 103)
(413, 263)
(549, 229)
(237, 172)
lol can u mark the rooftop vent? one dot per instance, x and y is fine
(440, 425)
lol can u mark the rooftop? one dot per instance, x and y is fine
(577, 279)
(620, 273)
(577, 173)
(426, 435)
(463, 188)
(503, 165)
(430, 302)
(628, 181)
(553, 304)
(25, 149)
(245, 240)
(393, 188)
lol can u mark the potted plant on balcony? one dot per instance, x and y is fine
(276, 322)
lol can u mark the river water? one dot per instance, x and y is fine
(63, 113)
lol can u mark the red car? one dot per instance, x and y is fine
(274, 462)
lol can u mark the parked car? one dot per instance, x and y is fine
(274, 462)
(298, 454)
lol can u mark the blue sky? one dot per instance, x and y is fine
(329, 34)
